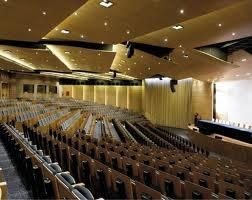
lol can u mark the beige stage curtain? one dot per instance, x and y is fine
(163, 107)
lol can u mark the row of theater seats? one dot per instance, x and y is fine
(123, 133)
(3, 186)
(45, 178)
(171, 178)
(177, 140)
(99, 173)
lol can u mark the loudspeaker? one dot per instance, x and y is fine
(173, 82)
(130, 49)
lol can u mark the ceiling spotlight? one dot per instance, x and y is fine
(65, 31)
(44, 12)
(177, 27)
(134, 63)
(248, 74)
(105, 23)
(142, 56)
(219, 25)
(128, 31)
(237, 75)
(185, 56)
(244, 60)
(99, 54)
(180, 46)
(159, 63)
(102, 42)
(29, 29)
(36, 53)
(106, 3)
(233, 34)
(149, 68)
(56, 29)
(181, 11)
(5, 0)
(128, 68)
(165, 39)
(82, 36)
(67, 52)
(75, 13)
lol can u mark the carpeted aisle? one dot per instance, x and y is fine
(16, 188)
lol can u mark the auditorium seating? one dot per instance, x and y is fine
(147, 162)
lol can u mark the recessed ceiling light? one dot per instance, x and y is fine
(82, 36)
(5, 0)
(149, 68)
(142, 56)
(75, 13)
(72, 60)
(105, 23)
(106, 3)
(159, 63)
(102, 42)
(46, 60)
(80, 51)
(185, 56)
(237, 75)
(248, 74)
(181, 11)
(128, 31)
(22, 59)
(128, 68)
(44, 12)
(67, 52)
(134, 63)
(36, 53)
(29, 29)
(177, 27)
(233, 34)
(180, 45)
(65, 31)
(244, 60)
(165, 39)
(56, 29)
(99, 54)
(219, 25)
(183, 51)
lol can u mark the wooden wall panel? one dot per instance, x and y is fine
(99, 94)
(88, 93)
(110, 95)
(202, 102)
(121, 96)
(78, 92)
(67, 91)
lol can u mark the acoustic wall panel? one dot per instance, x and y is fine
(110, 95)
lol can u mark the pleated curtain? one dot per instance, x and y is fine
(163, 107)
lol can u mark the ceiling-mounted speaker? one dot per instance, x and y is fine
(130, 49)
(173, 83)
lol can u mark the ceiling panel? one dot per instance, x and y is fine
(127, 19)
(7, 65)
(199, 65)
(83, 59)
(227, 24)
(142, 65)
(244, 60)
(34, 59)
(30, 20)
